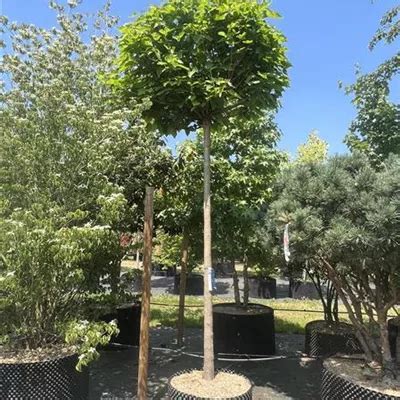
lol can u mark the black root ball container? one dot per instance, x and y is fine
(244, 330)
(52, 379)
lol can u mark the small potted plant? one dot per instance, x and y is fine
(243, 327)
(328, 336)
(121, 305)
(45, 341)
(262, 285)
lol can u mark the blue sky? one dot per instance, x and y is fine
(326, 39)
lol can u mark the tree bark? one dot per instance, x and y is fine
(388, 364)
(208, 368)
(362, 334)
(145, 315)
(182, 287)
(235, 283)
(246, 282)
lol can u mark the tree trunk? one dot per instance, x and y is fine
(389, 367)
(145, 315)
(208, 368)
(182, 287)
(245, 282)
(235, 283)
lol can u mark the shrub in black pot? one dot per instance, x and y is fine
(393, 332)
(262, 287)
(324, 338)
(338, 382)
(300, 289)
(194, 284)
(44, 289)
(51, 378)
(127, 317)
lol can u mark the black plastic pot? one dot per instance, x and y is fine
(53, 379)
(337, 387)
(320, 343)
(175, 394)
(194, 284)
(160, 270)
(303, 290)
(239, 330)
(262, 288)
(128, 322)
(393, 332)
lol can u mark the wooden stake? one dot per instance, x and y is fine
(145, 316)
(182, 288)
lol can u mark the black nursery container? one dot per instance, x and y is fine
(321, 343)
(240, 330)
(52, 379)
(393, 331)
(335, 387)
(128, 322)
(175, 394)
(262, 288)
(194, 284)
(303, 290)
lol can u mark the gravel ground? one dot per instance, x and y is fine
(288, 375)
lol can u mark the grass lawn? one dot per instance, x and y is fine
(285, 321)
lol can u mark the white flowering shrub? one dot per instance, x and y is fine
(73, 169)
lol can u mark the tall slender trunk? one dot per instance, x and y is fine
(208, 369)
(145, 314)
(235, 283)
(182, 287)
(246, 282)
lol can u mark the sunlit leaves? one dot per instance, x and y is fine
(202, 59)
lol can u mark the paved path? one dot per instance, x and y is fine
(113, 376)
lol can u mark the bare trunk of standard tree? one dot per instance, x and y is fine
(208, 370)
(246, 282)
(182, 287)
(145, 315)
(235, 283)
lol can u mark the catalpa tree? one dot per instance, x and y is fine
(200, 62)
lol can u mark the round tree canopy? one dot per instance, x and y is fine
(202, 60)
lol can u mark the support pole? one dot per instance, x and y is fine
(145, 315)
(182, 288)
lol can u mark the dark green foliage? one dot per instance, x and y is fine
(345, 222)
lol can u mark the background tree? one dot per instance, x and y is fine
(179, 205)
(376, 128)
(245, 162)
(313, 151)
(200, 62)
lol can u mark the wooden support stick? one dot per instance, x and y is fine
(145, 316)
